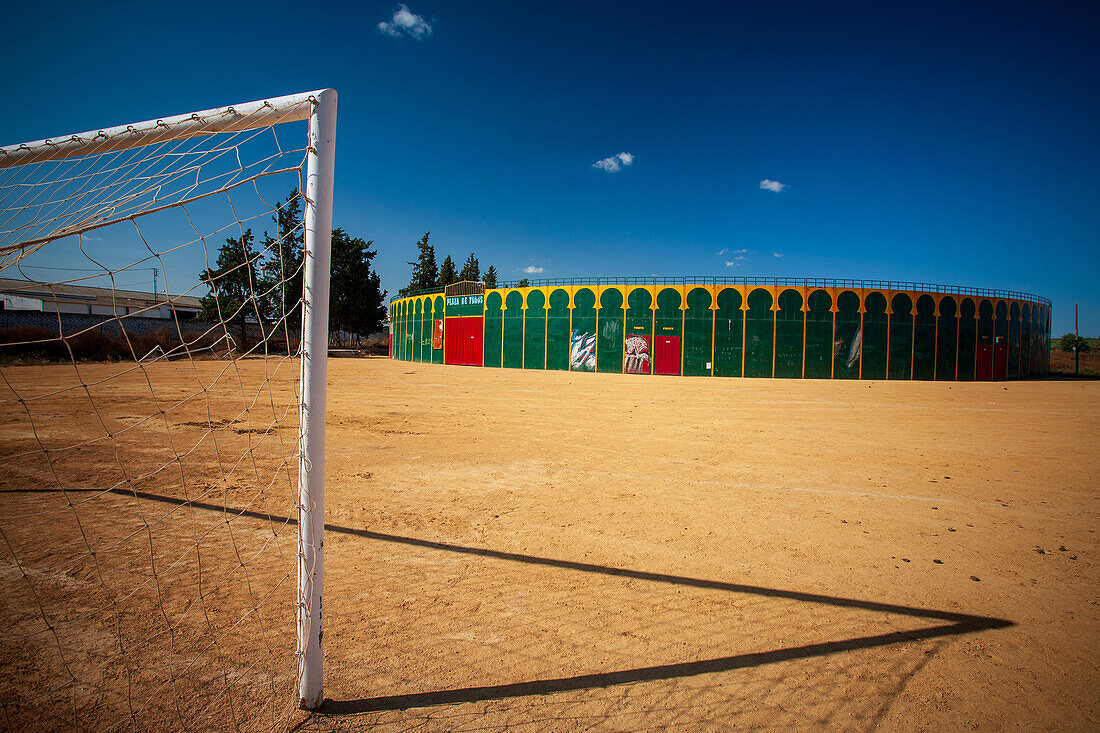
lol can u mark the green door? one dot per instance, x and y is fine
(947, 340)
(901, 337)
(848, 338)
(968, 335)
(819, 335)
(924, 339)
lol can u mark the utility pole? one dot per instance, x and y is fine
(1076, 345)
(154, 285)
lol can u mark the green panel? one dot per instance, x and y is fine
(789, 321)
(968, 334)
(438, 314)
(669, 316)
(426, 332)
(418, 330)
(403, 325)
(901, 337)
(534, 331)
(582, 339)
(759, 328)
(728, 326)
(610, 348)
(513, 330)
(947, 339)
(697, 326)
(819, 335)
(1014, 341)
(494, 324)
(557, 331)
(876, 327)
(924, 339)
(848, 336)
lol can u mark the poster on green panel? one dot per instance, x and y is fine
(698, 324)
(582, 337)
(968, 336)
(847, 337)
(557, 331)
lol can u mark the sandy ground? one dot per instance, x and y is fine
(553, 551)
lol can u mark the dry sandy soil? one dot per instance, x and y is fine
(551, 551)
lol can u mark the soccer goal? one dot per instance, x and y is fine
(163, 339)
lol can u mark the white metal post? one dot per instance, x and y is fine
(311, 468)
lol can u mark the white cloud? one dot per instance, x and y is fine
(724, 251)
(777, 254)
(406, 23)
(733, 263)
(532, 270)
(739, 257)
(740, 251)
(774, 186)
(614, 163)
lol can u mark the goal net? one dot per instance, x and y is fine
(163, 336)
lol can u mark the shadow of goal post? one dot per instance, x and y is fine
(319, 108)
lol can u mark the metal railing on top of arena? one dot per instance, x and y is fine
(776, 282)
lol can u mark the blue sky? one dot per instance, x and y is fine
(943, 142)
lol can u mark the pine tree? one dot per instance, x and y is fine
(491, 277)
(471, 270)
(425, 273)
(356, 299)
(281, 273)
(447, 274)
(233, 285)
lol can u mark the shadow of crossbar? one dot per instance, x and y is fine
(957, 623)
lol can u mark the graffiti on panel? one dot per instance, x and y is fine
(437, 334)
(854, 349)
(637, 355)
(582, 351)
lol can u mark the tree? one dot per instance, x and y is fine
(425, 272)
(524, 283)
(356, 299)
(281, 273)
(470, 270)
(1073, 342)
(491, 277)
(233, 292)
(447, 274)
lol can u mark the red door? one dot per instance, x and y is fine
(463, 340)
(983, 372)
(667, 355)
(1000, 361)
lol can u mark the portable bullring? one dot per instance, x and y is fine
(730, 327)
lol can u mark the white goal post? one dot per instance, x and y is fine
(115, 184)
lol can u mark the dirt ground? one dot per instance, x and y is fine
(537, 551)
